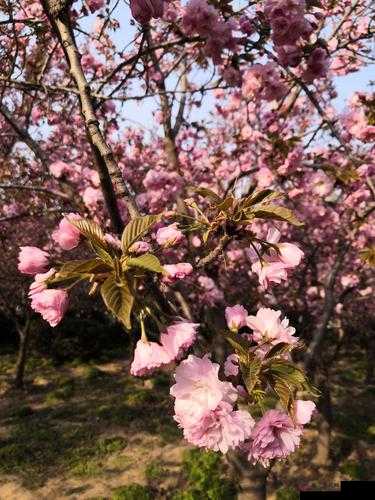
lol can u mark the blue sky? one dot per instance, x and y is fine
(140, 112)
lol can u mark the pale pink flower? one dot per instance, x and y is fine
(147, 357)
(58, 168)
(39, 284)
(32, 260)
(320, 183)
(220, 429)
(178, 338)
(274, 436)
(198, 388)
(51, 304)
(176, 272)
(290, 254)
(112, 240)
(231, 368)
(212, 294)
(269, 271)
(236, 317)
(169, 235)
(264, 177)
(267, 327)
(140, 247)
(91, 196)
(67, 236)
(303, 411)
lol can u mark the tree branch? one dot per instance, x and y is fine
(109, 171)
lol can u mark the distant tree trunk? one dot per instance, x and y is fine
(24, 335)
(370, 356)
(252, 481)
(323, 444)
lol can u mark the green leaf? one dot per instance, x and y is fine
(118, 298)
(146, 261)
(284, 393)
(368, 255)
(136, 228)
(274, 212)
(79, 269)
(279, 349)
(258, 197)
(240, 345)
(84, 266)
(226, 204)
(250, 370)
(92, 231)
(208, 193)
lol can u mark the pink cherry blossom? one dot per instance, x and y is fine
(231, 368)
(320, 183)
(32, 260)
(58, 168)
(39, 284)
(176, 272)
(169, 235)
(67, 236)
(198, 388)
(144, 10)
(235, 317)
(113, 240)
(317, 65)
(140, 247)
(147, 357)
(274, 436)
(178, 338)
(95, 5)
(220, 429)
(51, 304)
(303, 411)
(290, 254)
(267, 327)
(269, 271)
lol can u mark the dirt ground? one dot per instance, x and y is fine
(89, 431)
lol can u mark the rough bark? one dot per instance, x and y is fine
(112, 183)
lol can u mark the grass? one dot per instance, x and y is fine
(132, 492)
(154, 472)
(78, 423)
(66, 432)
(287, 493)
(205, 478)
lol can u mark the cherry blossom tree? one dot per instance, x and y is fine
(201, 233)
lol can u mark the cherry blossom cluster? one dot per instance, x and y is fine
(52, 303)
(263, 81)
(205, 406)
(145, 10)
(203, 19)
(273, 266)
(290, 26)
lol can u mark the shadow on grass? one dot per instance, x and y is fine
(74, 423)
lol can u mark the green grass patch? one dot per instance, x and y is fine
(132, 492)
(205, 478)
(287, 493)
(354, 470)
(154, 471)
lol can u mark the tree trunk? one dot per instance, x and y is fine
(24, 334)
(252, 481)
(323, 444)
(370, 356)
